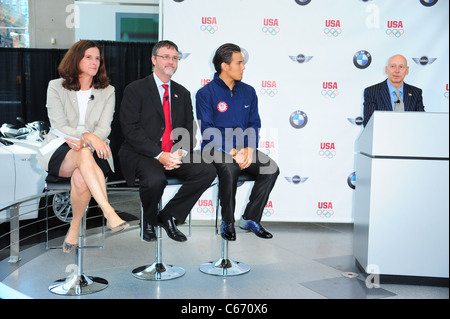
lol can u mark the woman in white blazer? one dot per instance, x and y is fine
(80, 108)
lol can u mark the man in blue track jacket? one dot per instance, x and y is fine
(227, 110)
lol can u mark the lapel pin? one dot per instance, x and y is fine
(409, 94)
(176, 95)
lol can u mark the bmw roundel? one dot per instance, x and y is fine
(298, 119)
(362, 59)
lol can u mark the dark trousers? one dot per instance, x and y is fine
(265, 171)
(197, 177)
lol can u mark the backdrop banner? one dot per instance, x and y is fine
(309, 61)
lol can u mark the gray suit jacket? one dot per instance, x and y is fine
(63, 113)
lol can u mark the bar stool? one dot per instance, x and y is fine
(77, 283)
(159, 270)
(224, 266)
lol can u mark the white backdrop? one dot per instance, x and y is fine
(309, 62)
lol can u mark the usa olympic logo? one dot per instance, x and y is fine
(325, 213)
(209, 28)
(330, 93)
(397, 33)
(269, 92)
(327, 154)
(269, 152)
(208, 211)
(271, 30)
(268, 212)
(332, 32)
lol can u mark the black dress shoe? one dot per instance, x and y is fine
(255, 227)
(171, 229)
(227, 231)
(149, 232)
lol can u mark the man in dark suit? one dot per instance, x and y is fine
(383, 96)
(159, 144)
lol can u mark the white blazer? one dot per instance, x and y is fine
(63, 113)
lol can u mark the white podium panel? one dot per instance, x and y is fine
(401, 208)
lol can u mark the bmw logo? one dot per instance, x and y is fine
(351, 180)
(302, 2)
(362, 59)
(428, 3)
(298, 119)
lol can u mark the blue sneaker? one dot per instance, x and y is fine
(255, 227)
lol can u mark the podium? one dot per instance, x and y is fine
(401, 199)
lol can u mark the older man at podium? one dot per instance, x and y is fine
(393, 94)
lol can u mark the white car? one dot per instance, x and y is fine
(21, 177)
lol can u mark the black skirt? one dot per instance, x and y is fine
(58, 157)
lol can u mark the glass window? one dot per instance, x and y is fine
(14, 24)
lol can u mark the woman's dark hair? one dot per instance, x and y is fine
(224, 54)
(69, 69)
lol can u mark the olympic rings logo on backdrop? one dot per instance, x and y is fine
(327, 154)
(332, 32)
(269, 152)
(209, 25)
(446, 95)
(208, 211)
(395, 32)
(330, 93)
(269, 92)
(271, 30)
(325, 213)
(207, 28)
(268, 212)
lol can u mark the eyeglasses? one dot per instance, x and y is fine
(169, 58)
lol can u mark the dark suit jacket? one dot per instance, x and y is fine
(377, 98)
(142, 122)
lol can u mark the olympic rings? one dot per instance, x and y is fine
(324, 213)
(330, 93)
(269, 92)
(332, 32)
(327, 153)
(205, 210)
(268, 212)
(271, 30)
(208, 28)
(395, 32)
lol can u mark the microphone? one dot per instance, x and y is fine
(91, 98)
(166, 97)
(397, 102)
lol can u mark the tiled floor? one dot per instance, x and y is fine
(302, 261)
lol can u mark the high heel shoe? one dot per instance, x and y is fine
(118, 228)
(67, 247)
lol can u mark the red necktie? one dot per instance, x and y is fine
(167, 143)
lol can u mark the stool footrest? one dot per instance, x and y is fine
(158, 271)
(78, 285)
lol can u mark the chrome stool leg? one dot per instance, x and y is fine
(224, 267)
(158, 270)
(78, 283)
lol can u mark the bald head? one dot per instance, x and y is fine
(396, 70)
